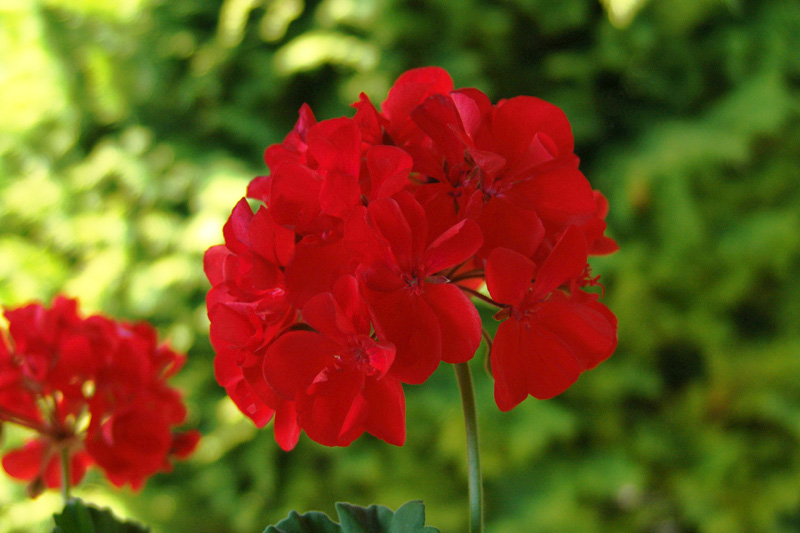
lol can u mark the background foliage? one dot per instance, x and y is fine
(130, 128)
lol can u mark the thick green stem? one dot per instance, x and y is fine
(65, 474)
(464, 376)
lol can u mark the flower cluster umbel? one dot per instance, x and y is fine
(93, 388)
(355, 273)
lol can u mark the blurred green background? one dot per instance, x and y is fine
(129, 128)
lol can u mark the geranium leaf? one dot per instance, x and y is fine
(311, 522)
(77, 517)
(410, 518)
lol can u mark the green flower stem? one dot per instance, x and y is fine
(65, 473)
(464, 376)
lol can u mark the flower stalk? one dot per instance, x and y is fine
(65, 473)
(464, 376)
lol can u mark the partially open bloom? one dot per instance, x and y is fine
(92, 387)
(407, 210)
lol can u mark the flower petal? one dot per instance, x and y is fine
(453, 247)
(332, 411)
(248, 402)
(26, 462)
(294, 359)
(459, 321)
(235, 231)
(550, 365)
(508, 275)
(322, 313)
(566, 261)
(561, 196)
(335, 145)
(287, 430)
(407, 321)
(506, 225)
(588, 328)
(388, 169)
(314, 269)
(508, 369)
(386, 410)
(516, 123)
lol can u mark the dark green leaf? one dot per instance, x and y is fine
(410, 518)
(77, 517)
(311, 522)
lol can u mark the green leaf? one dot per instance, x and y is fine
(77, 517)
(410, 518)
(311, 522)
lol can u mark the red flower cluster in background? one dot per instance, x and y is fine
(354, 274)
(93, 387)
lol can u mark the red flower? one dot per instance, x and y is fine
(548, 337)
(427, 319)
(417, 203)
(336, 375)
(38, 461)
(60, 372)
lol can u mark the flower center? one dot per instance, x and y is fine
(414, 280)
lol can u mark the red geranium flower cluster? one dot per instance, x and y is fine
(93, 387)
(355, 273)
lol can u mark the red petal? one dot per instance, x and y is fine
(353, 305)
(387, 218)
(226, 371)
(508, 369)
(294, 200)
(566, 261)
(259, 188)
(332, 411)
(458, 319)
(314, 269)
(339, 194)
(388, 169)
(213, 261)
(379, 354)
(26, 462)
(516, 123)
(336, 145)
(184, 443)
(473, 106)
(550, 366)
(381, 276)
(321, 313)
(387, 410)
(235, 229)
(588, 328)
(269, 240)
(453, 247)
(508, 275)
(562, 196)
(415, 217)
(438, 118)
(232, 326)
(505, 225)
(407, 321)
(249, 403)
(294, 359)
(287, 430)
(368, 120)
(363, 241)
(604, 246)
(410, 90)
